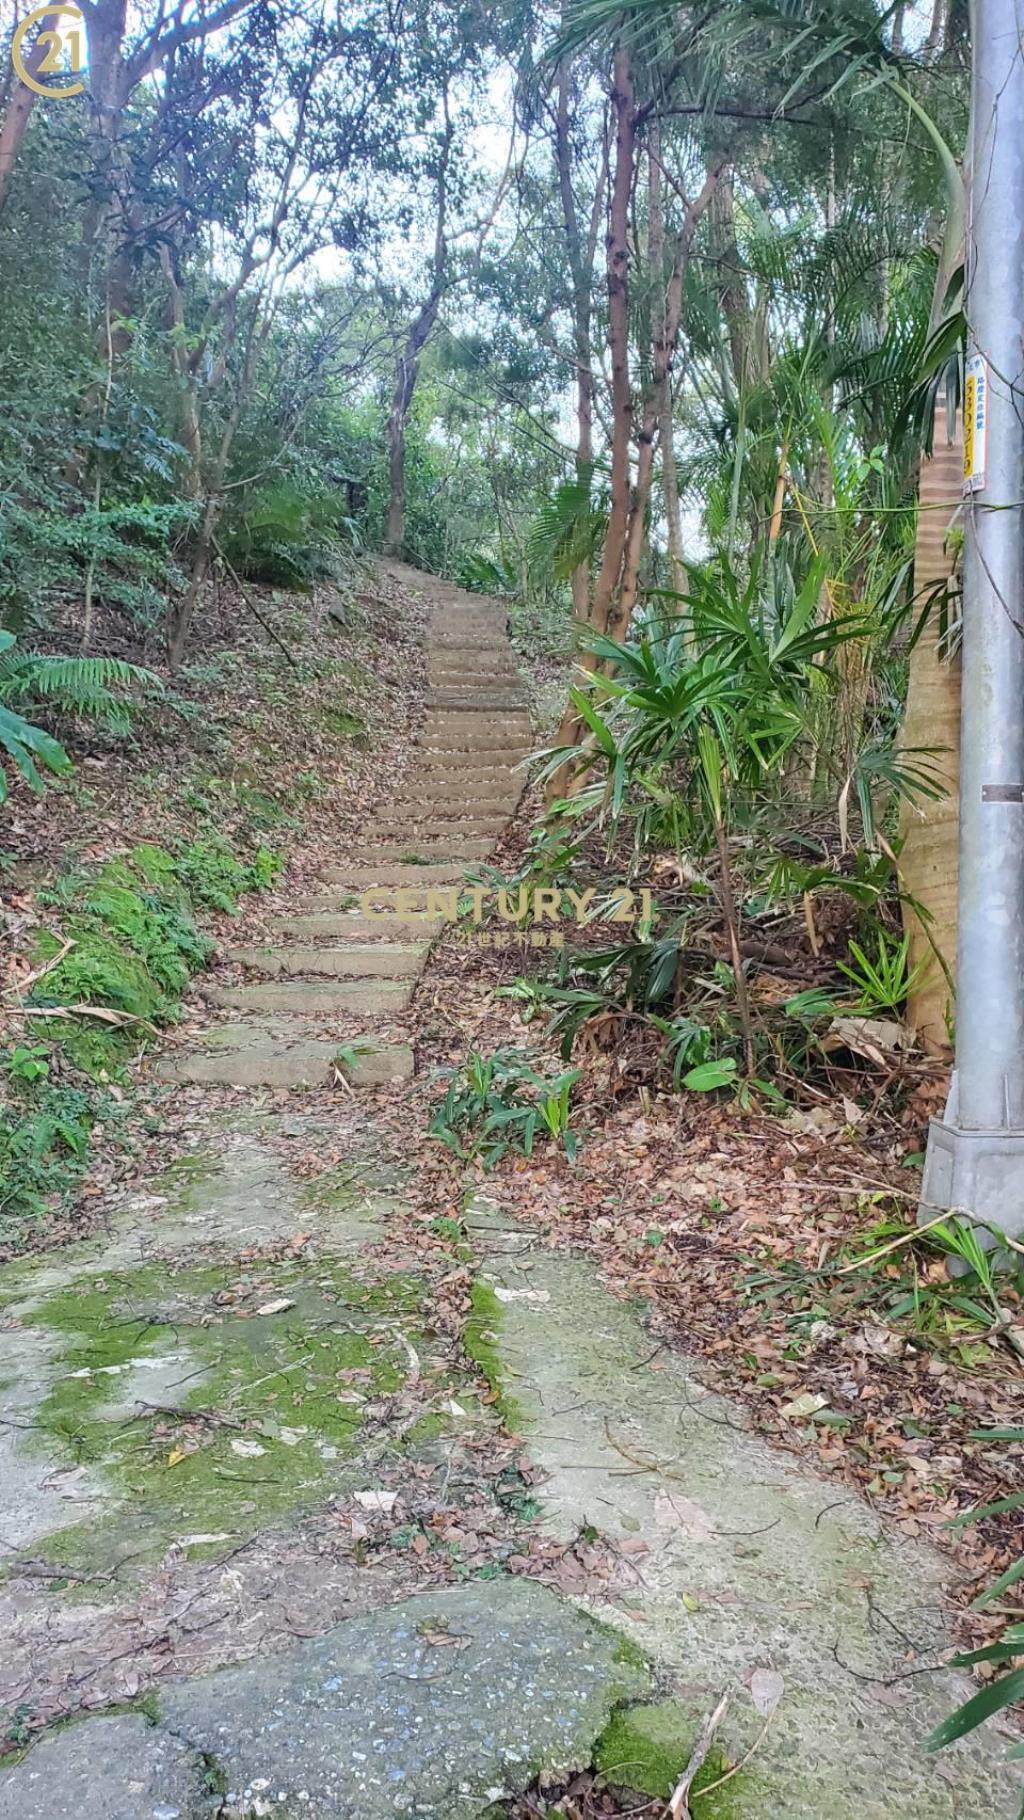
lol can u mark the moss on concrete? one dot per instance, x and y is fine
(207, 1417)
(647, 1749)
(481, 1341)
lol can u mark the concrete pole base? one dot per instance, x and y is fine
(980, 1173)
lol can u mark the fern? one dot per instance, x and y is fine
(91, 688)
(567, 531)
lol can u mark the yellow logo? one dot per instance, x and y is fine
(52, 45)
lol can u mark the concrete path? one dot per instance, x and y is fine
(202, 1406)
(746, 1563)
(336, 964)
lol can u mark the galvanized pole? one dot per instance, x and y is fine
(975, 1159)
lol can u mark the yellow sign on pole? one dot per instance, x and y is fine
(975, 423)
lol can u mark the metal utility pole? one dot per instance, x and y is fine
(975, 1158)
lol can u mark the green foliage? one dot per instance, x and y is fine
(52, 545)
(212, 873)
(488, 575)
(287, 533)
(884, 982)
(122, 943)
(568, 531)
(500, 1102)
(45, 1129)
(1007, 1687)
(92, 688)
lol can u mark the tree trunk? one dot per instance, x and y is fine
(928, 858)
(678, 578)
(20, 101)
(580, 252)
(182, 612)
(618, 579)
(394, 436)
(407, 371)
(617, 268)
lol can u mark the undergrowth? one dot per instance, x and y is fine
(112, 956)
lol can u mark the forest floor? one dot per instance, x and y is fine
(341, 1478)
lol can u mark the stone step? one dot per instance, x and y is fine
(412, 826)
(317, 998)
(464, 770)
(459, 683)
(470, 700)
(485, 734)
(356, 960)
(469, 714)
(475, 642)
(358, 875)
(384, 852)
(489, 667)
(257, 1055)
(453, 808)
(460, 763)
(446, 793)
(459, 726)
(323, 918)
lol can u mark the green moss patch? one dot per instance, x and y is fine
(345, 725)
(481, 1341)
(647, 1749)
(213, 1402)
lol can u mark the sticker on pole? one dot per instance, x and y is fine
(975, 423)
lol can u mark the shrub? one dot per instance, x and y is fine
(500, 1102)
(44, 1143)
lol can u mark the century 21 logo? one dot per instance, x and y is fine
(62, 51)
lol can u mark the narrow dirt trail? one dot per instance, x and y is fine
(249, 1481)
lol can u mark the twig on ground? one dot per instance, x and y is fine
(905, 1238)
(679, 1802)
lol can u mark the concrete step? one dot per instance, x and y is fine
(317, 998)
(356, 876)
(321, 918)
(354, 960)
(465, 637)
(464, 770)
(257, 1055)
(485, 734)
(443, 795)
(488, 668)
(462, 765)
(413, 827)
(472, 701)
(470, 714)
(385, 852)
(453, 807)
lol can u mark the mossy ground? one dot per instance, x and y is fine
(205, 1416)
(481, 1342)
(647, 1749)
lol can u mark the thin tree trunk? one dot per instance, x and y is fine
(732, 929)
(581, 259)
(617, 584)
(617, 270)
(407, 371)
(20, 101)
(666, 445)
(930, 830)
(678, 577)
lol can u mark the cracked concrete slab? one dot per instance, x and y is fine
(746, 1558)
(108, 1769)
(435, 1708)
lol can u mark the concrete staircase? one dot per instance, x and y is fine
(334, 962)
